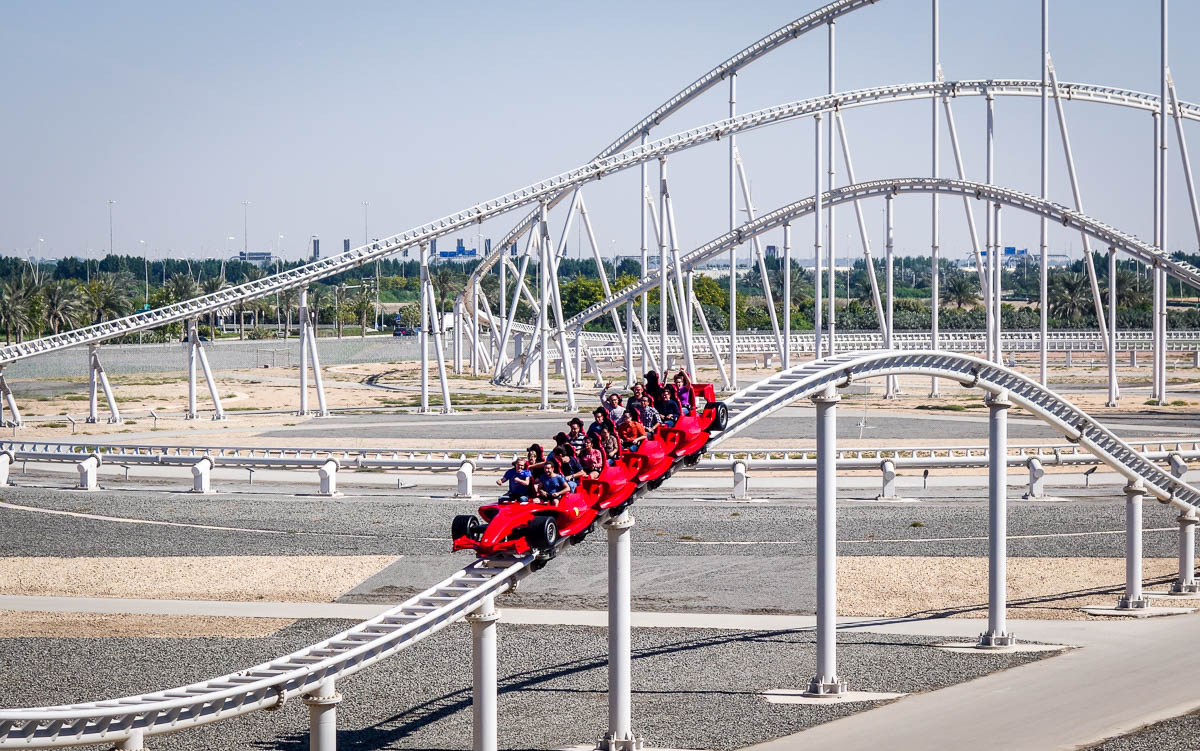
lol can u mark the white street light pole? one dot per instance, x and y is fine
(245, 226)
(111, 203)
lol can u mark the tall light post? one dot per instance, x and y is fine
(245, 226)
(40, 241)
(111, 203)
(146, 264)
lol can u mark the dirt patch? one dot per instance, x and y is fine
(38, 624)
(236, 578)
(1041, 588)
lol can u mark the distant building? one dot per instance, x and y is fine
(256, 256)
(460, 252)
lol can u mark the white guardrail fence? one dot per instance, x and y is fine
(327, 461)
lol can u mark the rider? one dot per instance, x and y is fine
(576, 437)
(518, 481)
(683, 391)
(668, 406)
(631, 431)
(553, 486)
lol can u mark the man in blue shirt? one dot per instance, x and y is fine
(518, 481)
(553, 486)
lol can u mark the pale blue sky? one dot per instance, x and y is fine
(181, 112)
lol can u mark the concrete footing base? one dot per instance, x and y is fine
(1169, 595)
(887, 499)
(963, 647)
(797, 696)
(1150, 612)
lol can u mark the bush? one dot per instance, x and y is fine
(258, 333)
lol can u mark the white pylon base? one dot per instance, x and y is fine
(608, 743)
(996, 641)
(832, 690)
(1125, 603)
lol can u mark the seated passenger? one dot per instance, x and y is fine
(683, 392)
(576, 437)
(600, 419)
(653, 387)
(647, 415)
(631, 431)
(610, 444)
(569, 466)
(536, 459)
(552, 487)
(591, 459)
(560, 439)
(518, 482)
(668, 407)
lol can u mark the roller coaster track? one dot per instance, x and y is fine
(272, 683)
(547, 189)
(1110, 236)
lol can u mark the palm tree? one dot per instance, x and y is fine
(106, 297)
(446, 284)
(318, 297)
(1071, 297)
(61, 303)
(363, 305)
(288, 299)
(960, 289)
(182, 287)
(209, 286)
(14, 308)
(1129, 292)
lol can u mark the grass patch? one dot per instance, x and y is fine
(76, 397)
(1180, 403)
(917, 524)
(689, 538)
(943, 407)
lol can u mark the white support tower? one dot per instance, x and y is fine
(98, 380)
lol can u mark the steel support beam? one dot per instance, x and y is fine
(826, 683)
(1133, 598)
(483, 673)
(935, 224)
(1114, 392)
(322, 717)
(997, 634)
(620, 736)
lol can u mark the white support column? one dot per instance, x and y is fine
(88, 471)
(99, 377)
(322, 717)
(218, 410)
(10, 401)
(643, 202)
(733, 360)
(759, 256)
(423, 330)
(868, 261)
(1043, 256)
(302, 314)
(463, 480)
(787, 294)
(543, 322)
(327, 473)
(998, 314)
(712, 343)
(662, 260)
(826, 683)
(989, 231)
(456, 362)
(818, 218)
(1037, 479)
(318, 380)
(1086, 240)
(630, 377)
(888, 469)
(1160, 214)
(202, 475)
(476, 293)
(483, 675)
(6, 461)
(741, 482)
(1185, 159)
(935, 224)
(438, 338)
(1186, 582)
(93, 381)
(1114, 391)
(997, 634)
(193, 338)
(888, 332)
(968, 211)
(620, 736)
(831, 241)
(1133, 599)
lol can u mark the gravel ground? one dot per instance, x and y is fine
(26, 623)
(1176, 734)
(693, 689)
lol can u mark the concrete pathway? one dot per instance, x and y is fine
(1125, 675)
